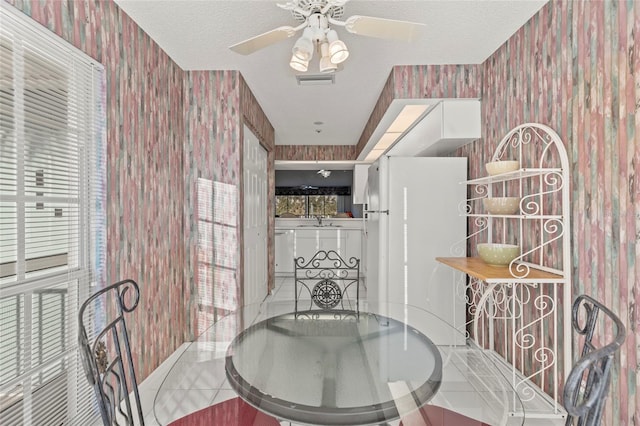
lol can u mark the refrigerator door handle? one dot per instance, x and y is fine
(365, 206)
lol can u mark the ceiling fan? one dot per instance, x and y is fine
(315, 17)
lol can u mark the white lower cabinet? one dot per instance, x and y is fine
(284, 250)
(292, 243)
(353, 247)
(309, 241)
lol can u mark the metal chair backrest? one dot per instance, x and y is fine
(106, 355)
(587, 386)
(330, 282)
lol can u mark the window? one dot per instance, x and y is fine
(323, 205)
(52, 219)
(307, 205)
(311, 201)
(292, 204)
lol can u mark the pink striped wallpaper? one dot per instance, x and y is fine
(315, 152)
(212, 127)
(217, 105)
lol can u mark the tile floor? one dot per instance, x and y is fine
(194, 390)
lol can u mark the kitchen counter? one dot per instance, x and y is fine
(327, 223)
(327, 227)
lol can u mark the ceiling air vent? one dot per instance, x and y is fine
(315, 79)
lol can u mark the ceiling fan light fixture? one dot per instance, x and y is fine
(298, 64)
(315, 17)
(326, 65)
(303, 48)
(339, 52)
(337, 49)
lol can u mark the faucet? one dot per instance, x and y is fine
(319, 220)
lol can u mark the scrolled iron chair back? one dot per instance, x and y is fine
(588, 383)
(106, 358)
(329, 280)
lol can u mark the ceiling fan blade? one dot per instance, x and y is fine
(383, 28)
(263, 40)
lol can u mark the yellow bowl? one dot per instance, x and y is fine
(498, 254)
(500, 167)
(501, 205)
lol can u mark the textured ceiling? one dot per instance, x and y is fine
(196, 34)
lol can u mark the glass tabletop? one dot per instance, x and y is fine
(335, 367)
(346, 368)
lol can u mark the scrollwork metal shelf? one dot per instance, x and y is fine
(517, 174)
(520, 312)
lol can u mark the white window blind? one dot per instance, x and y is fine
(52, 220)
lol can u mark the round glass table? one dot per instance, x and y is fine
(384, 364)
(333, 367)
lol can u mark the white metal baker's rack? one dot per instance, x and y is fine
(521, 313)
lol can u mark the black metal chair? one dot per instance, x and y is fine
(106, 354)
(330, 282)
(587, 386)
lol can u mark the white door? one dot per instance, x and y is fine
(255, 219)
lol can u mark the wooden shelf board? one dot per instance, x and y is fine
(516, 216)
(477, 268)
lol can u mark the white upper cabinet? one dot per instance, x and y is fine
(447, 126)
(360, 173)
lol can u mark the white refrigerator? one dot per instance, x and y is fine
(411, 217)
